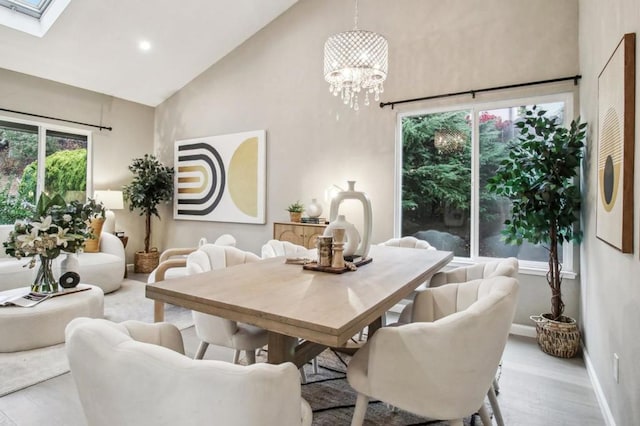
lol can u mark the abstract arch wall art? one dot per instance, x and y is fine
(616, 128)
(221, 178)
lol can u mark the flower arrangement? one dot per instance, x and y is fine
(57, 227)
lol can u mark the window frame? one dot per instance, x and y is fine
(475, 108)
(42, 148)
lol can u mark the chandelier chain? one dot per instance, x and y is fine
(355, 17)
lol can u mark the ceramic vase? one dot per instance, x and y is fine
(70, 263)
(351, 238)
(351, 194)
(314, 209)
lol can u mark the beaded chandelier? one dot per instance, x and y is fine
(356, 61)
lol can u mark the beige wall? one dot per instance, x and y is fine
(610, 279)
(274, 81)
(132, 133)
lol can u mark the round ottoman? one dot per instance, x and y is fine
(43, 325)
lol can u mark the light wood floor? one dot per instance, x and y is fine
(535, 390)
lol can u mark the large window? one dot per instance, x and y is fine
(446, 157)
(36, 158)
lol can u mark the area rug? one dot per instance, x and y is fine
(333, 400)
(27, 368)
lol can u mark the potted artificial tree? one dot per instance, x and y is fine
(152, 184)
(539, 177)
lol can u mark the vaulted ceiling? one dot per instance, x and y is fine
(94, 44)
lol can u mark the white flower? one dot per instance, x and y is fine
(29, 240)
(60, 237)
(66, 217)
(42, 226)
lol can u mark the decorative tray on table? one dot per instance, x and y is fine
(350, 266)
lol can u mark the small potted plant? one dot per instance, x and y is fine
(540, 178)
(152, 184)
(295, 211)
(93, 213)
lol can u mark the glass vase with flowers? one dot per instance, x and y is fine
(57, 227)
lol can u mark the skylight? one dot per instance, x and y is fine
(34, 17)
(33, 8)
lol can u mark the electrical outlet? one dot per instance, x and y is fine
(616, 368)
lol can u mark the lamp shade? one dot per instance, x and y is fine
(112, 200)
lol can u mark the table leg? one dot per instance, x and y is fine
(158, 311)
(281, 348)
(289, 349)
(374, 326)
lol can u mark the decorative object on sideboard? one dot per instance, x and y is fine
(356, 61)
(352, 194)
(540, 177)
(112, 200)
(314, 209)
(295, 211)
(152, 184)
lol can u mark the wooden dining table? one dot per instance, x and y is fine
(304, 311)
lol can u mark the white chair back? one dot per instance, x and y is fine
(276, 248)
(440, 368)
(408, 242)
(125, 378)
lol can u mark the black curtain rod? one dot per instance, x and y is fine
(58, 119)
(575, 79)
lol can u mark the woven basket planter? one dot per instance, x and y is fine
(557, 338)
(145, 263)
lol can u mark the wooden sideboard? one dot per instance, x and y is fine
(302, 234)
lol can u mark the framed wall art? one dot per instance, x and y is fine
(221, 178)
(616, 128)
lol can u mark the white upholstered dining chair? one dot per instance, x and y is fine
(275, 248)
(214, 330)
(135, 373)
(409, 242)
(424, 367)
(505, 267)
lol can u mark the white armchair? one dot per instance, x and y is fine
(211, 329)
(424, 367)
(134, 373)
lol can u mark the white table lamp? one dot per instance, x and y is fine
(112, 200)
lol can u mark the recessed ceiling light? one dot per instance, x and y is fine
(144, 45)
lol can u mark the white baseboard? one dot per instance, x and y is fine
(523, 330)
(597, 388)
